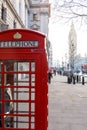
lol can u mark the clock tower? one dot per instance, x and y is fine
(72, 39)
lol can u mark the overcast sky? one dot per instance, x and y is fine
(58, 36)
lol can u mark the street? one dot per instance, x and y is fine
(67, 105)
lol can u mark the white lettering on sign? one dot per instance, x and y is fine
(18, 44)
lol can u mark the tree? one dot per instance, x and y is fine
(71, 10)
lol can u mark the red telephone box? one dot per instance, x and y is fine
(23, 80)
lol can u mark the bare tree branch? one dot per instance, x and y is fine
(70, 9)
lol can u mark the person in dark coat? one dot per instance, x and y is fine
(49, 76)
(54, 72)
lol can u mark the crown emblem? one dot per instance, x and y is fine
(17, 35)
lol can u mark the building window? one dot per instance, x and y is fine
(35, 17)
(14, 24)
(3, 13)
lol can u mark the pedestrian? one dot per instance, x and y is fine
(54, 72)
(49, 76)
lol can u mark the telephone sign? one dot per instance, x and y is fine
(19, 44)
(23, 80)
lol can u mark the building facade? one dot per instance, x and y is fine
(30, 14)
(9, 17)
(39, 16)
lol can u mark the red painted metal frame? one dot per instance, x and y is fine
(33, 53)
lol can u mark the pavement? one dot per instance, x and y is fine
(67, 109)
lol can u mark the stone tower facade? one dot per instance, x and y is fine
(72, 46)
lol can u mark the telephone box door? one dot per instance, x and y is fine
(18, 93)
